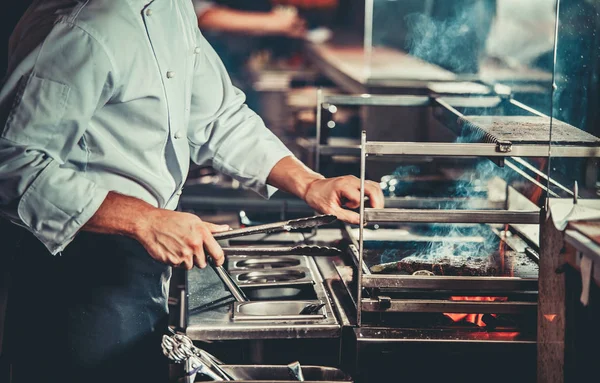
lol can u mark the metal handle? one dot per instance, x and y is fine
(233, 287)
(312, 250)
(277, 226)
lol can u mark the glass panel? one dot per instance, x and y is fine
(487, 63)
(494, 42)
(575, 101)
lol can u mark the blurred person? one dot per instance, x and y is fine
(279, 21)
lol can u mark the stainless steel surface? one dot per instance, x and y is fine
(376, 100)
(211, 308)
(451, 216)
(318, 132)
(278, 292)
(274, 277)
(231, 284)
(361, 225)
(453, 336)
(447, 306)
(275, 311)
(442, 149)
(241, 263)
(253, 277)
(473, 284)
(313, 250)
(280, 374)
(289, 225)
(267, 263)
(435, 202)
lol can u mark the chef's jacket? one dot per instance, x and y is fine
(117, 95)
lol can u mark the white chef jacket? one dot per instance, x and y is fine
(117, 95)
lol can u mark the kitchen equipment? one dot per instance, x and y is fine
(277, 311)
(275, 227)
(312, 250)
(179, 348)
(230, 283)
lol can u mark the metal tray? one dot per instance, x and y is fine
(239, 263)
(275, 311)
(274, 277)
(280, 374)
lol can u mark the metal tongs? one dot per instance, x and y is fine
(277, 227)
(230, 283)
(180, 349)
(312, 250)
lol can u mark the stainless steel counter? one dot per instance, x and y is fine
(210, 305)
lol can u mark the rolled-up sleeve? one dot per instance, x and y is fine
(223, 129)
(48, 109)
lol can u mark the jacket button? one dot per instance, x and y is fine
(148, 12)
(197, 50)
(170, 74)
(178, 135)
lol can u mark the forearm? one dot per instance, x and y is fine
(229, 20)
(291, 175)
(120, 214)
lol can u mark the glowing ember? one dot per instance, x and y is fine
(473, 318)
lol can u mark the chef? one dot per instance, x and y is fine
(104, 105)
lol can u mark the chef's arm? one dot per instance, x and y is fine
(225, 131)
(326, 195)
(173, 238)
(276, 22)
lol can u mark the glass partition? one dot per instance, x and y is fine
(494, 42)
(488, 65)
(575, 102)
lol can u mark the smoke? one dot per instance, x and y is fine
(453, 37)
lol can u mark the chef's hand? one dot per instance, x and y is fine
(330, 195)
(284, 21)
(180, 239)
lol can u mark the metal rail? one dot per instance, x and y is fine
(450, 283)
(376, 100)
(451, 216)
(453, 149)
(447, 306)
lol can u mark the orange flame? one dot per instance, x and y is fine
(537, 193)
(473, 318)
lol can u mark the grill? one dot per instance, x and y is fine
(450, 260)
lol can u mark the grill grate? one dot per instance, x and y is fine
(522, 130)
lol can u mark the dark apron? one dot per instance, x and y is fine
(96, 313)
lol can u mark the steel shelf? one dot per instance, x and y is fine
(450, 283)
(447, 306)
(376, 100)
(451, 149)
(450, 216)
